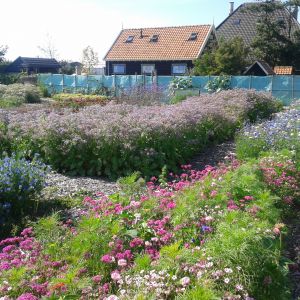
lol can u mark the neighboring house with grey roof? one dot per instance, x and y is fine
(243, 22)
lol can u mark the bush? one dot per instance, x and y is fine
(116, 140)
(17, 94)
(20, 179)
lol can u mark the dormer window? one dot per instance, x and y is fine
(154, 38)
(129, 39)
(237, 22)
(193, 36)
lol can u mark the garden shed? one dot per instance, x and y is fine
(31, 65)
(259, 68)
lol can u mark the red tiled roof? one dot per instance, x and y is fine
(283, 70)
(173, 43)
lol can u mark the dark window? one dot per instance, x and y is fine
(193, 36)
(154, 38)
(119, 69)
(237, 22)
(130, 39)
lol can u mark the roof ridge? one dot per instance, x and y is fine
(164, 27)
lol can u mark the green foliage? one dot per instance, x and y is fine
(198, 292)
(230, 58)
(276, 42)
(17, 94)
(218, 84)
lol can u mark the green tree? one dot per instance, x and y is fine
(3, 50)
(275, 41)
(89, 59)
(229, 58)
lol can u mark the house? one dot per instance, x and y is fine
(243, 21)
(284, 70)
(162, 50)
(33, 65)
(259, 68)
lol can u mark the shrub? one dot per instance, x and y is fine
(218, 84)
(116, 140)
(17, 94)
(19, 178)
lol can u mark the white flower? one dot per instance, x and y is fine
(226, 280)
(239, 287)
(228, 270)
(122, 262)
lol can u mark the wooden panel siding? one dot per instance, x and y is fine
(163, 68)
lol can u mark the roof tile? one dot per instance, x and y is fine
(173, 43)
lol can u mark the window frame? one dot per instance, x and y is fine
(118, 73)
(142, 65)
(129, 39)
(178, 64)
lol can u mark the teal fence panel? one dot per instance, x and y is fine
(200, 82)
(240, 82)
(164, 81)
(285, 88)
(261, 83)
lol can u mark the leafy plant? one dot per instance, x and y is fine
(218, 84)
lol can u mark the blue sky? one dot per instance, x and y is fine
(74, 24)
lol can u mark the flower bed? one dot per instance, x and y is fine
(282, 132)
(78, 100)
(206, 234)
(116, 140)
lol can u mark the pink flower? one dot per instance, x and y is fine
(27, 296)
(122, 262)
(115, 275)
(107, 259)
(276, 230)
(213, 193)
(185, 281)
(248, 198)
(97, 278)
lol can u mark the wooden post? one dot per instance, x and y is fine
(63, 82)
(115, 85)
(293, 86)
(75, 83)
(87, 82)
(250, 83)
(272, 84)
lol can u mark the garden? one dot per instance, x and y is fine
(170, 231)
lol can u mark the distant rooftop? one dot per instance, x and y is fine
(242, 22)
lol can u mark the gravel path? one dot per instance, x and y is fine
(214, 155)
(62, 185)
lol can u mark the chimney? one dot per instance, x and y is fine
(141, 33)
(295, 12)
(231, 7)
